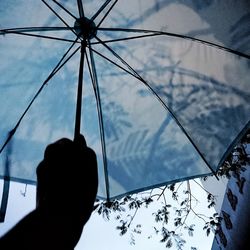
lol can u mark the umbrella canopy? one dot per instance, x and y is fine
(165, 85)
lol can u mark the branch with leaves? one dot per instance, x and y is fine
(175, 204)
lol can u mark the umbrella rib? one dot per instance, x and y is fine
(125, 38)
(117, 65)
(180, 36)
(80, 8)
(119, 58)
(33, 29)
(100, 10)
(53, 72)
(6, 184)
(163, 103)
(106, 14)
(58, 16)
(40, 36)
(5, 196)
(90, 71)
(93, 76)
(131, 30)
(60, 5)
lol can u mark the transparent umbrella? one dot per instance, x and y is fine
(160, 88)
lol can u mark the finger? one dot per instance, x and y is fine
(80, 141)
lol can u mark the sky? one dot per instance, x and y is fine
(102, 234)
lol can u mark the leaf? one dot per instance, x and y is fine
(169, 243)
(158, 218)
(123, 228)
(177, 221)
(96, 206)
(165, 235)
(184, 202)
(132, 205)
(147, 201)
(118, 217)
(156, 230)
(175, 196)
(172, 187)
(190, 231)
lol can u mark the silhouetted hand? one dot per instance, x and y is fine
(67, 182)
(67, 179)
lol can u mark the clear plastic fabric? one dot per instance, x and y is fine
(171, 92)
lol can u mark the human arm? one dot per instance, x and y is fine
(66, 190)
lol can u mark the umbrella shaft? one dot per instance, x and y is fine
(79, 94)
